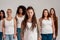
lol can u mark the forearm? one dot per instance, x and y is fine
(15, 30)
(3, 30)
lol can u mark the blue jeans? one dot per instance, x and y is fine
(47, 36)
(1, 35)
(19, 33)
(9, 37)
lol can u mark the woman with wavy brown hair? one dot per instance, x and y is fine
(29, 25)
(54, 17)
(47, 26)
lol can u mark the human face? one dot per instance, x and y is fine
(1, 14)
(52, 11)
(30, 13)
(9, 12)
(20, 11)
(45, 13)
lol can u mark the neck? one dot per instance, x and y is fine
(9, 16)
(45, 17)
(30, 19)
(20, 13)
(52, 16)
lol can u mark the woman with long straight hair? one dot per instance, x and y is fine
(9, 26)
(47, 26)
(2, 16)
(55, 19)
(21, 10)
(29, 25)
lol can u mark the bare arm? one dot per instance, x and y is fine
(40, 24)
(53, 28)
(15, 27)
(22, 31)
(3, 27)
(39, 29)
(16, 19)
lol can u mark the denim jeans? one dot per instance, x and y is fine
(1, 35)
(47, 36)
(9, 37)
(19, 33)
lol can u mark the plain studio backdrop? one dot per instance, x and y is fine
(38, 6)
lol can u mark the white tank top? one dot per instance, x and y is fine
(30, 34)
(1, 25)
(47, 26)
(9, 26)
(19, 21)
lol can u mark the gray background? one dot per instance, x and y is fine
(38, 5)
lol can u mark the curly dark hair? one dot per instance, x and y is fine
(23, 8)
(3, 14)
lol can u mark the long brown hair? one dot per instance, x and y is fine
(40, 20)
(54, 15)
(55, 21)
(43, 13)
(34, 21)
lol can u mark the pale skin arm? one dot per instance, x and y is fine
(16, 22)
(16, 19)
(15, 28)
(53, 28)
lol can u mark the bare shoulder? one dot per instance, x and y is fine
(40, 19)
(4, 19)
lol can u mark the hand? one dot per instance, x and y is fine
(15, 35)
(4, 36)
(39, 38)
(22, 38)
(53, 35)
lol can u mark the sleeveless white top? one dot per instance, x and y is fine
(9, 26)
(1, 25)
(47, 26)
(19, 21)
(30, 34)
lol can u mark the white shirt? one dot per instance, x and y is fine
(9, 26)
(30, 34)
(19, 21)
(1, 25)
(47, 26)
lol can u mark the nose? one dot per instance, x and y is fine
(30, 14)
